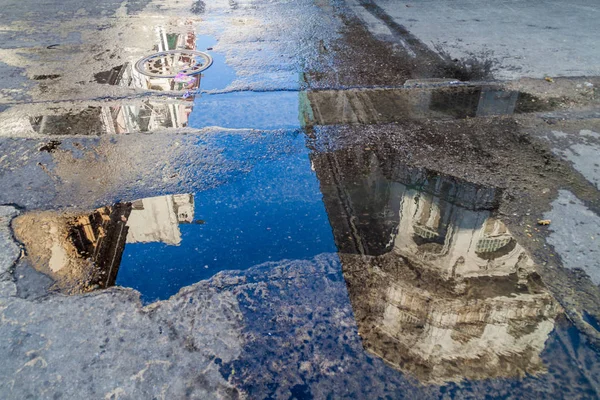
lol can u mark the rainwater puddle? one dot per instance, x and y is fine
(157, 245)
(183, 106)
(355, 274)
(371, 106)
(427, 281)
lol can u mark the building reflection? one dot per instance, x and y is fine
(157, 219)
(371, 106)
(145, 115)
(102, 235)
(438, 286)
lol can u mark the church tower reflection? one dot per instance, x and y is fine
(438, 286)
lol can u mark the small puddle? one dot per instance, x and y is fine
(373, 106)
(158, 245)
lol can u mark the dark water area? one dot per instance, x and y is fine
(272, 213)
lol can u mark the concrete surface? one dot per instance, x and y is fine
(534, 38)
(575, 234)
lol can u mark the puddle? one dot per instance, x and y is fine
(342, 268)
(256, 110)
(438, 288)
(186, 107)
(220, 75)
(158, 245)
(438, 285)
(371, 106)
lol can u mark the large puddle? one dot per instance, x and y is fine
(438, 287)
(158, 245)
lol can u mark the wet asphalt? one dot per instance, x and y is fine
(356, 199)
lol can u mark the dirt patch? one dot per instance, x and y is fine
(567, 92)
(359, 59)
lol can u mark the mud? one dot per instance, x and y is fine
(359, 59)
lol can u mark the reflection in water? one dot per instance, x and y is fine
(151, 115)
(438, 286)
(145, 115)
(370, 106)
(271, 212)
(100, 237)
(127, 76)
(85, 252)
(157, 219)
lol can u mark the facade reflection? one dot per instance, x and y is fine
(90, 253)
(157, 219)
(438, 286)
(103, 234)
(146, 115)
(100, 237)
(371, 106)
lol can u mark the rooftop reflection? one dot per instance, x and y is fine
(438, 285)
